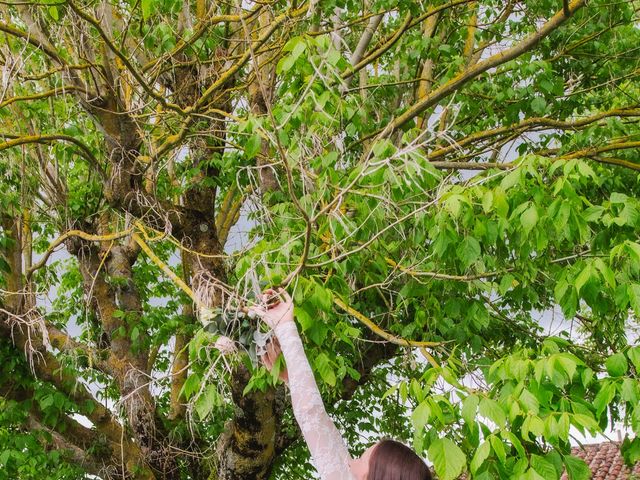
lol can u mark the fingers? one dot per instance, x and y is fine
(270, 357)
(273, 350)
(267, 361)
(285, 295)
(257, 310)
(272, 297)
(271, 354)
(269, 293)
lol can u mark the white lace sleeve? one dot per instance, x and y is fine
(328, 450)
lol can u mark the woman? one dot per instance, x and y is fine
(385, 460)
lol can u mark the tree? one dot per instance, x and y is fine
(370, 147)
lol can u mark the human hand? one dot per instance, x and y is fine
(277, 308)
(271, 357)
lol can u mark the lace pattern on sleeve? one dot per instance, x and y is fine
(328, 450)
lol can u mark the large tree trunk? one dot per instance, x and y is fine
(247, 448)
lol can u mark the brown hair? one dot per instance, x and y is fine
(391, 460)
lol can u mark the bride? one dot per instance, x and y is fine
(384, 460)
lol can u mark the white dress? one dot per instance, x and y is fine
(328, 450)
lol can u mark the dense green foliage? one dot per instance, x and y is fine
(469, 177)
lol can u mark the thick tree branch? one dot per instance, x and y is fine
(365, 39)
(469, 74)
(80, 440)
(379, 51)
(224, 77)
(31, 39)
(385, 44)
(116, 51)
(596, 151)
(200, 29)
(49, 93)
(379, 331)
(48, 368)
(75, 233)
(229, 214)
(529, 124)
(85, 151)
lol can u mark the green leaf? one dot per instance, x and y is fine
(146, 8)
(323, 366)
(586, 376)
(468, 251)
(631, 451)
(530, 401)
(592, 214)
(511, 179)
(292, 43)
(531, 474)
(539, 105)
(53, 12)
(469, 408)
(586, 421)
(305, 319)
(298, 49)
(634, 355)
(448, 459)
(493, 411)
(577, 469)
(515, 441)
(563, 426)
(532, 424)
(207, 401)
(453, 204)
(616, 365)
(46, 402)
(618, 198)
(487, 201)
(252, 146)
(568, 362)
(555, 459)
(629, 391)
(480, 456)
(506, 283)
(603, 397)
(633, 249)
(551, 430)
(583, 277)
(633, 292)
(529, 218)
(498, 448)
(606, 272)
(420, 415)
(321, 297)
(500, 202)
(191, 385)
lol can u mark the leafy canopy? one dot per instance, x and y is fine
(449, 190)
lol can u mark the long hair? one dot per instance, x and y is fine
(391, 460)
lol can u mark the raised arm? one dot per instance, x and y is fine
(328, 450)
